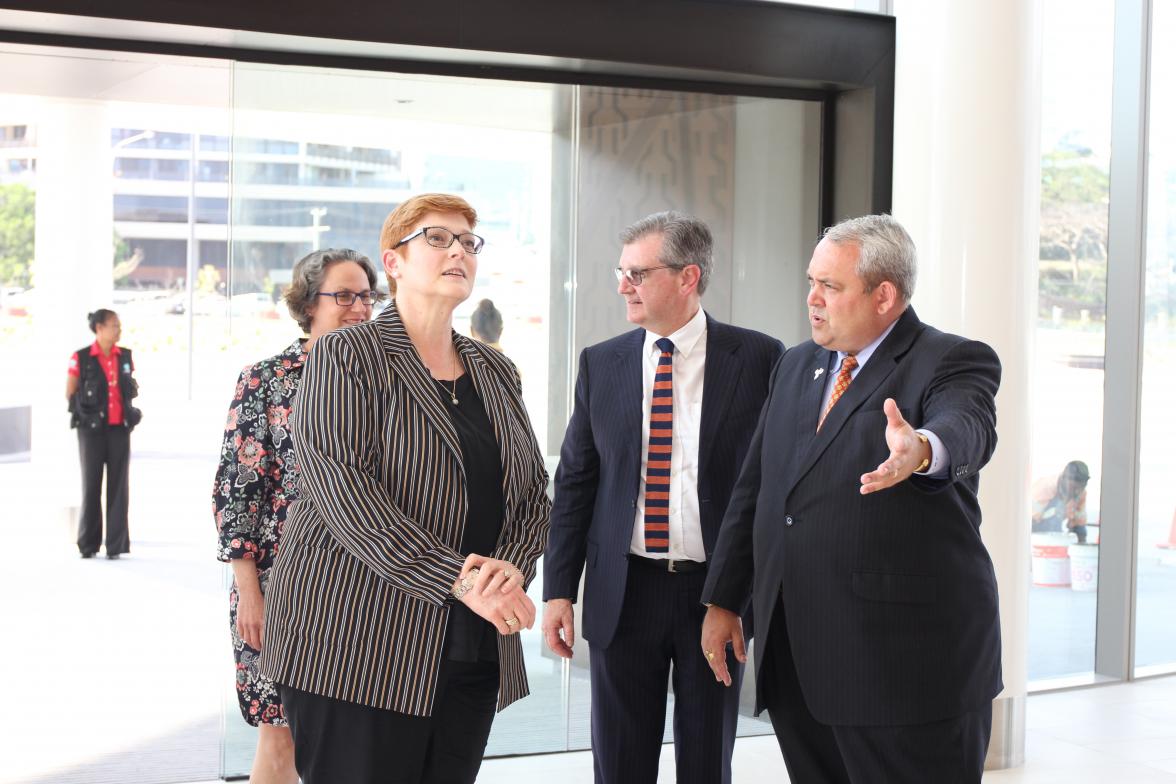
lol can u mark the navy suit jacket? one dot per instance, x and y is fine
(890, 603)
(599, 475)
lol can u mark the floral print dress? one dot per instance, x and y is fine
(255, 483)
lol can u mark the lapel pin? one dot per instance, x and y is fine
(817, 373)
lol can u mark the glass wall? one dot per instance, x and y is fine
(179, 193)
(1155, 632)
(748, 167)
(96, 210)
(1067, 390)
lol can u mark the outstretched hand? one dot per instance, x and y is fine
(907, 452)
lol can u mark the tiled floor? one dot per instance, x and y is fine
(1121, 734)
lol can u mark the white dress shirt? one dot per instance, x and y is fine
(940, 458)
(689, 364)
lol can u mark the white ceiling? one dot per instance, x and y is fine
(50, 72)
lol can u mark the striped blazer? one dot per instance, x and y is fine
(356, 607)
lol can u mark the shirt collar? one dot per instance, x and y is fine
(685, 339)
(864, 355)
(96, 350)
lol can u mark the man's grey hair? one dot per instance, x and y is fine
(685, 240)
(885, 251)
(307, 279)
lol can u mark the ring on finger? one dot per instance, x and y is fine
(511, 621)
(710, 655)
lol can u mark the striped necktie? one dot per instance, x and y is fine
(661, 444)
(840, 385)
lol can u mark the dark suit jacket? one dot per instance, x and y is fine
(359, 598)
(599, 475)
(890, 598)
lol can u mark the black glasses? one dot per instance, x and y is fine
(441, 237)
(636, 276)
(346, 299)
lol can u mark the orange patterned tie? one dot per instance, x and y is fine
(844, 376)
(661, 445)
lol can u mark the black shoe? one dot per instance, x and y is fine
(87, 555)
(112, 556)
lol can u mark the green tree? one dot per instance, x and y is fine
(17, 219)
(125, 260)
(1075, 194)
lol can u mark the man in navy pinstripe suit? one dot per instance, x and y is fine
(663, 416)
(855, 529)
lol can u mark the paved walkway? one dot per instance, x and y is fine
(114, 670)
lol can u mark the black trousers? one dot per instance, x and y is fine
(339, 742)
(658, 642)
(951, 751)
(107, 449)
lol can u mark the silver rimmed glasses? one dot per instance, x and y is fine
(636, 276)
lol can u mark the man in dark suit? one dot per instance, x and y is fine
(854, 529)
(663, 416)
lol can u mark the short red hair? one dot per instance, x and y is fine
(400, 221)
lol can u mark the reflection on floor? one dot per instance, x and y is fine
(1121, 734)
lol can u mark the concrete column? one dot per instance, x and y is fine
(71, 277)
(966, 176)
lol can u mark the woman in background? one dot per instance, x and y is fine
(99, 387)
(486, 324)
(257, 480)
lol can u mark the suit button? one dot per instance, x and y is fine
(788, 520)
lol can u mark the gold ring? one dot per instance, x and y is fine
(511, 622)
(710, 655)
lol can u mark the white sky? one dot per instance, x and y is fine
(1076, 74)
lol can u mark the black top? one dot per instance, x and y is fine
(472, 638)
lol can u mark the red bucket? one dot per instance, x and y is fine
(1051, 560)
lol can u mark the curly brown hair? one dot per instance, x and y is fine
(308, 276)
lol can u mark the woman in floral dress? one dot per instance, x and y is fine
(257, 479)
